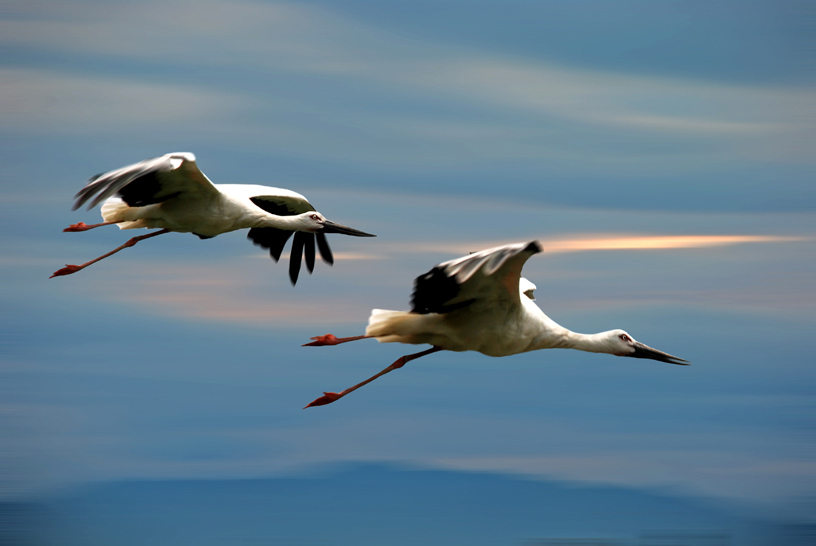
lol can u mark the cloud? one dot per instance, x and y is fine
(718, 473)
(33, 100)
(238, 294)
(658, 242)
(245, 292)
(704, 469)
(207, 32)
(584, 243)
(637, 102)
(520, 107)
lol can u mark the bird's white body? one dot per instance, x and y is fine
(501, 318)
(480, 302)
(170, 193)
(207, 213)
(488, 330)
(479, 327)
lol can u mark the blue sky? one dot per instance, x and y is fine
(662, 152)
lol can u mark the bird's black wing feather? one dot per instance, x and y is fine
(272, 238)
(148, 182)
(309, 248)
(144, 190)
(282, 205)
(323, 247)
(296, 255)
(275, 239)
(454, 284)
(432, 290)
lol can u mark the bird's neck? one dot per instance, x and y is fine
(591, 343)
(293, 223)
(551, 335)
(558, 337)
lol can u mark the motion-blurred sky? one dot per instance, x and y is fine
(662, 151)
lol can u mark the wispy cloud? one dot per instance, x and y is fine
(33, 100)
(594, 242)
(648, 242)
(705, 469)
(526, 107)
(618, 99)
(719, 473)
(262, 34)
(244, 291)
(238, 293)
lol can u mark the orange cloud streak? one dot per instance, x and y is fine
(657, 242)
(618, 242)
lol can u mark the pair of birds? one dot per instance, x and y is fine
(479, 302)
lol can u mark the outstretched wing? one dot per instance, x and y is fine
(489, 274)
(147, 182)
(275, 239)
(284, 203)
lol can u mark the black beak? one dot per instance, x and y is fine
(644, 351)
(331, 227)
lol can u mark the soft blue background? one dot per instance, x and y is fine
(443, 127)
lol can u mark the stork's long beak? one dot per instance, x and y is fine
(644, 351)
(331, 227)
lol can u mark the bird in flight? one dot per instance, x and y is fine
(172, 194)
(480, 302)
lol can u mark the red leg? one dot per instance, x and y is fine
(329, 339)
(82, 226)
(329, 397)
(68, 269)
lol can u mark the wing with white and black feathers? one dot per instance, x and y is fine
(147, 182)
(491, 273)
(287, 203)
(275, 239)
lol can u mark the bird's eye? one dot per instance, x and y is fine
(624, 337)
(315, 217)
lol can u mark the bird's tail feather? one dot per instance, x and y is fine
(116, 210)
(397, 326)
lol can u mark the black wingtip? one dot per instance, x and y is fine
(272, 239)
(296, 256)
(309, 247)
(432, 290)
(323, 247)
(534, 247)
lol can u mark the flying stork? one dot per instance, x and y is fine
(480, 302)
(171, 193)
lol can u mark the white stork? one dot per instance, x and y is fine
(171, 193)
(480, 302)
